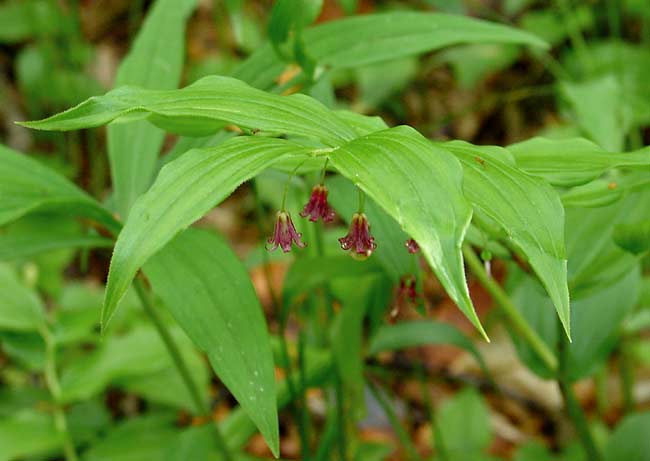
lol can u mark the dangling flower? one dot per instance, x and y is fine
(359, 239)
(317, 207)
(285, 234)
(412, 246)
(406, 296)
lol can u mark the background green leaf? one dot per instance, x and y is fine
(27, 186)
(209, 293)
(154, 64)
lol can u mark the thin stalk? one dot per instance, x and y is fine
(201, 406)
(627, 376)
(573, 408)
(601, 390)
(279, 314)
(517, 320)
(338, 385)
(362, 201)
(575, 35)
(400, 432)
(438, 442)
(54, 387)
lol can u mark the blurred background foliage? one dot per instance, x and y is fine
(124, 399)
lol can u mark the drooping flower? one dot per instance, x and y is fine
(358, 238)
(317, 207)
(406, 296)
(412, 246)
(285, 234)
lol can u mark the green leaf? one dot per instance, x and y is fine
(143, 437)
(204, 107)
(184, 191)
(630, 441)
(528, 210)
(306, 274)
(209, 293)
(572, 162)
(370, 38)
(419, 185)
(20, 308)
(121, 360)
(27, 186)
(24, 19)
(465, 426)
(596, 326)
(599, 110)
(595, 261)
(416, 333)
(37, 233)
(28, 433)
(154, 64)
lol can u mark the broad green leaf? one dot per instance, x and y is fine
(204, 107)
(630, 441)
(391, 254)
(528, 210)
(27, 186)
(37, 233)
(366, 39)
(420, 186)
(209, 293)
(238, 427)
(20, 308)
(28, 433)
(119, 359)
(572, 162)
(154, 64)
(465, 426)
(184, 191)
(416, 333)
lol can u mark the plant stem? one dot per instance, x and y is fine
(627, 375)
(574, 410)
(201, 406)
(517, 320)
(400, 432)
(279, 315)
(53, 385)
(438, 442)
(575, 35)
